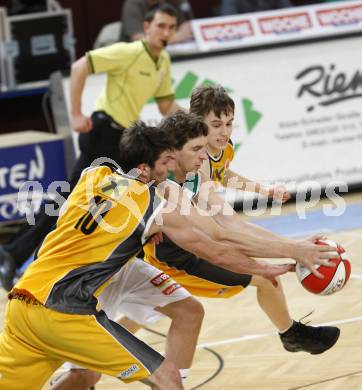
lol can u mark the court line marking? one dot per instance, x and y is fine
(262, 335)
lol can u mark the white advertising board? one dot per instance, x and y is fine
(276, 26)
(298, 109)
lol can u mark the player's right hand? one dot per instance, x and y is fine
(310, 254)
(81, 123)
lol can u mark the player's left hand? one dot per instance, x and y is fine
(274, 281)
(272, 271)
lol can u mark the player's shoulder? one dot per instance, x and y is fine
(126, 50)
(111, 182)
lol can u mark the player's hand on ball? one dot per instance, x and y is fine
(334, 278)
(310, 254)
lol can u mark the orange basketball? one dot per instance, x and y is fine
(335, 278)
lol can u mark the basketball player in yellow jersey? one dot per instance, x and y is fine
(52, 314)
(216, 108)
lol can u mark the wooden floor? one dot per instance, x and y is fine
(239, 349)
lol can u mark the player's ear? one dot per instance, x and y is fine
(146, 27)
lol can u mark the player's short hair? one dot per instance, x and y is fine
(211, 98)
(164, 8)
(184, 127)
(141, 144)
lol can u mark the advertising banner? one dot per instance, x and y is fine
(277, 26)
(41, 162)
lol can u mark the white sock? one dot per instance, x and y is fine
(286, 330)
(184, 372)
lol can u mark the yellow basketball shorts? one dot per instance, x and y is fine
(36, 341)
(194, 285)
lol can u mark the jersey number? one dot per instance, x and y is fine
(90, 220)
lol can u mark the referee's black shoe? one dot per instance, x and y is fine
(312, 339)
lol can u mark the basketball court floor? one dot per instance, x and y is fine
(239, 348)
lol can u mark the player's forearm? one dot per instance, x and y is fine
(236, 181)
(234, 259)
(78, 76)
(253, 240)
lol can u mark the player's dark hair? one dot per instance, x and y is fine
(143, 144)
(163, 8)
(184, 127)
(211, 98)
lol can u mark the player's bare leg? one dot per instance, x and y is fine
(166, 377)
(272, 301)
(184, 330)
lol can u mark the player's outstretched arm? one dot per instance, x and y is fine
(234, 180)
(212, 245)
(259, 242)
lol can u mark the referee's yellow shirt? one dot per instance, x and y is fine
(134, 76)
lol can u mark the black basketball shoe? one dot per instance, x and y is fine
(312, 339)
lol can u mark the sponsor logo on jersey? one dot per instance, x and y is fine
(160, 279)
(227, 31)
(129, 372)
(171, 289)
(285, 23)
(340, 16)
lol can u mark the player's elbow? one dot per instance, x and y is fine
(80, 66)
(164, 109)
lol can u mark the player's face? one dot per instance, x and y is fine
(192, 155)
(219, 130)
(160, 31)
(164, 164)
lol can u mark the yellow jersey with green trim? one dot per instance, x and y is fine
(104, 224)
(134, 76)
(219, 165)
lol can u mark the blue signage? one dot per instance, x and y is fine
(40, 163)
